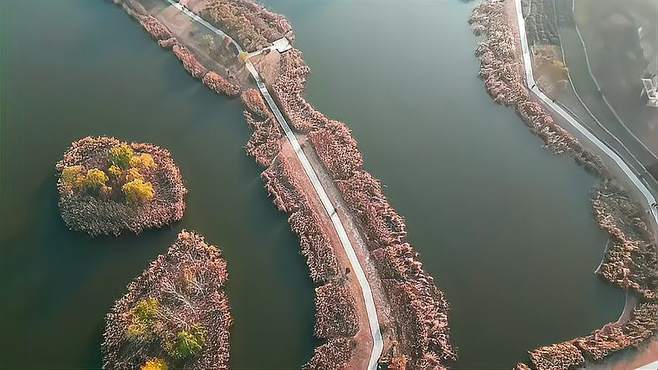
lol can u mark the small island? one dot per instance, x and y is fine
(107, 186)
(175, 314)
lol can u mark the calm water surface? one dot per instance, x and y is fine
(79, 67)
(505, 226)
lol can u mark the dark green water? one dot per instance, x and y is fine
(79, 67)
(503, 225)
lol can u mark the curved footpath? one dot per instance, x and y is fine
(373, 321)
(634, 178)
(534, 88)
(598, 85)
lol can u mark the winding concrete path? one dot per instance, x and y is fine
(532, 86)
(373, 321)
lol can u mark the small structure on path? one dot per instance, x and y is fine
(651, 91)
(282, 45)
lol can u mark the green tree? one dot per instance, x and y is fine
(188, 343)
(144, 315)
(137, 191)
(121, 155)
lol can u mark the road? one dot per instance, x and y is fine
(591, 107)
(368, 298)
(634, 179)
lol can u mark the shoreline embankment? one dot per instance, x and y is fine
(630, 260)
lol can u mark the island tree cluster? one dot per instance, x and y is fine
(175, 314)
(107, 186)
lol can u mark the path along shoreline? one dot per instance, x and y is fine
(630, 261)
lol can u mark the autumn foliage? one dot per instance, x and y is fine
(107, 186)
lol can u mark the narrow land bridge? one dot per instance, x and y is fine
(319, 189)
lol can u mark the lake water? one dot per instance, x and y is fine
(503, 225)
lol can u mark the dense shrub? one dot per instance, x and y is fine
(142, 161)
(94, 180)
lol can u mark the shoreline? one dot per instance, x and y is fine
(614, 210)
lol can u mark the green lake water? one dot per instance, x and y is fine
(503, 225)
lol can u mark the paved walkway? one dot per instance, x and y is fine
(532, 86)
(322, 194)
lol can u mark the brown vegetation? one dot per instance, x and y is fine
(220, 85)
(337, 149)
(255, 104)
(615, 337)
(156, 29)
(140, 189)
(335, 315)
(503, 79)
(288, 90)
(335, 354)
(561, 356)
(264, 143)
(250, 24)
(631, 261)
(159, 32)
(421, 308)
(175, 312)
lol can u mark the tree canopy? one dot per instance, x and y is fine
(137, 191)
(121, 155)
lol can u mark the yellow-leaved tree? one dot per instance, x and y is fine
(94, 180)
(137, 191)
(144, 161)
(155, 364)
(72, 177)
